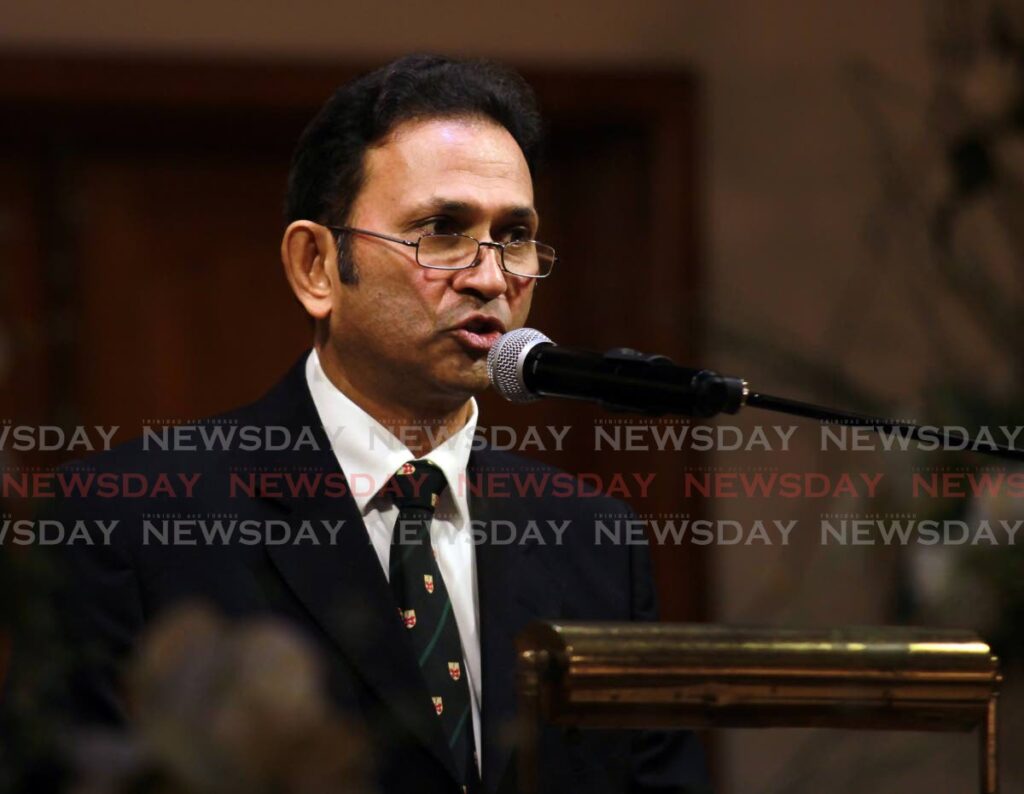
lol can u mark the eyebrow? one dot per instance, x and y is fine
(456, 207)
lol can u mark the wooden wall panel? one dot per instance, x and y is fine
(184, 249)
(27, 318)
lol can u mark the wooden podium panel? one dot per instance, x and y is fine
(630, 675)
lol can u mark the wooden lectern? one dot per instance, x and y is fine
(659, 675)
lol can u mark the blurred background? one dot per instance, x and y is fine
(825, 198)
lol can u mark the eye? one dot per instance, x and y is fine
(515, 234)
(438, 225)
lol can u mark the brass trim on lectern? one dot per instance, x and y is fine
(632, 675)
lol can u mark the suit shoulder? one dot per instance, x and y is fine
(550, 482)
(206, 443)
(499, 460)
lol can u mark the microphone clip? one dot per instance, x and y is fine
(631, 356)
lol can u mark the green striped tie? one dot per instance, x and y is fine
(426, 610)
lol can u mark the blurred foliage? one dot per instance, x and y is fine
(946, 228)
(957, 192)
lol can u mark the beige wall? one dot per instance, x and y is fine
(790, 179)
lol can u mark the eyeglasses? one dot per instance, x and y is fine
(525, 258)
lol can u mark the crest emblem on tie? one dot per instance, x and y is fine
(407, 469)
(428, 582)
(438, 705)
(409, 618)
(454, 670)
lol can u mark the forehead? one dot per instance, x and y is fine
(472, 161)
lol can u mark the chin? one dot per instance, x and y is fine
(469, 380)
(474, 386)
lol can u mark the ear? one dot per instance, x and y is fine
(309, 256)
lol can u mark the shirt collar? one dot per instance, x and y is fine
(369, 454)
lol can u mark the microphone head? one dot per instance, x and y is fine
(505, 363)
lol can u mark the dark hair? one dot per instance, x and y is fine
(327, 166)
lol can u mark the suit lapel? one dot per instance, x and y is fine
(513, 589)
(341, 584)
(340, 580)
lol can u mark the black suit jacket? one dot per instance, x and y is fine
(337, 595)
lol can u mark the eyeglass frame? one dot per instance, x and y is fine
(476, 260)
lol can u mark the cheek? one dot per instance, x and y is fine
(519, 303)
(399, 288)
(395, 303)
(400, 308)
(427, 295)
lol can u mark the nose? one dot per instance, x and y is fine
(486, 277)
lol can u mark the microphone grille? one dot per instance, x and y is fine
(505, 363)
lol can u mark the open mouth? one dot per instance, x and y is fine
(479, 332)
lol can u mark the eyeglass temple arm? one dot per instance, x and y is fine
(368, 233)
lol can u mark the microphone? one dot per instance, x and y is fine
(524, 365)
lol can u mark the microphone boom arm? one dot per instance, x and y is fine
(524, 365)
(782, 405)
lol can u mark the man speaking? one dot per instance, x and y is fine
(412, 245)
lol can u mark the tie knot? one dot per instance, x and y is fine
(418, 483)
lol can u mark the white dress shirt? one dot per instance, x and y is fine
(369, 454)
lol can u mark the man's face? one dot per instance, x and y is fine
(405, 332)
